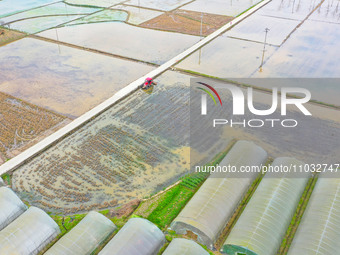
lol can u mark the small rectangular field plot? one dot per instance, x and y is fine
(221, 7)
(253, 29)
(50, 10)
(227, 57)
(138, 15)
(63, 79)
(10, 7)
(125, 40)
(36, 25)
(329, 11)
(158, 4)
(289, 9)
(311, 51)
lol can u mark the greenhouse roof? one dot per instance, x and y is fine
(11, 207)
(28, 234)
(137, 237)
(319, 229)
(84, 238)
(208, 212)
(263, 223)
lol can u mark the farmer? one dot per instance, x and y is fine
(148, 82)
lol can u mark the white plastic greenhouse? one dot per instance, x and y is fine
(264, 222)
(11, 207)
(137, 237)
(28, 234)
(2, 183)
(319, 229)
(208, 212)
(180, 246)
(84, 238)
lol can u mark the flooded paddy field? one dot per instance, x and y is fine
(22, 124)
(227, 57)
(188, 22)
(141, 145)
(312, 51)
(252, 29)
(221, 7)
(295, 47)
(97, 3)
(158, 4)
(63, 79)
(102, 16)
(128, 152)
(289, 9)
(125, 40)
(138, 15)
(328, 12)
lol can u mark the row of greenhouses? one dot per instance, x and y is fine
(208, 212)
(262, 225)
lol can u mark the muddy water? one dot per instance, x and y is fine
(222, 7)
(138, 15)
(312, 51)
(63, 79)
(297, 10)
(227, 57)
(158, 4)
(128, 152)
(126, 40)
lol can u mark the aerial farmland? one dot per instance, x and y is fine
(115, 121)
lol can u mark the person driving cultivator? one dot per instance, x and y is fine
(148, 82)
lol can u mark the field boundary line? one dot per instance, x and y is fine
(46, 143)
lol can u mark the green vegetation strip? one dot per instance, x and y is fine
(294, 224)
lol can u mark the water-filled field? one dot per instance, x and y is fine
(312, 51)
(128, 152)
(221, 7)
(63, 79)
(158, 4)
(138, 15)
(125, 40)
(97, 3)
(227, 57)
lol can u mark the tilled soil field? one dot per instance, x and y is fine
(188, 22)
(22, 124)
